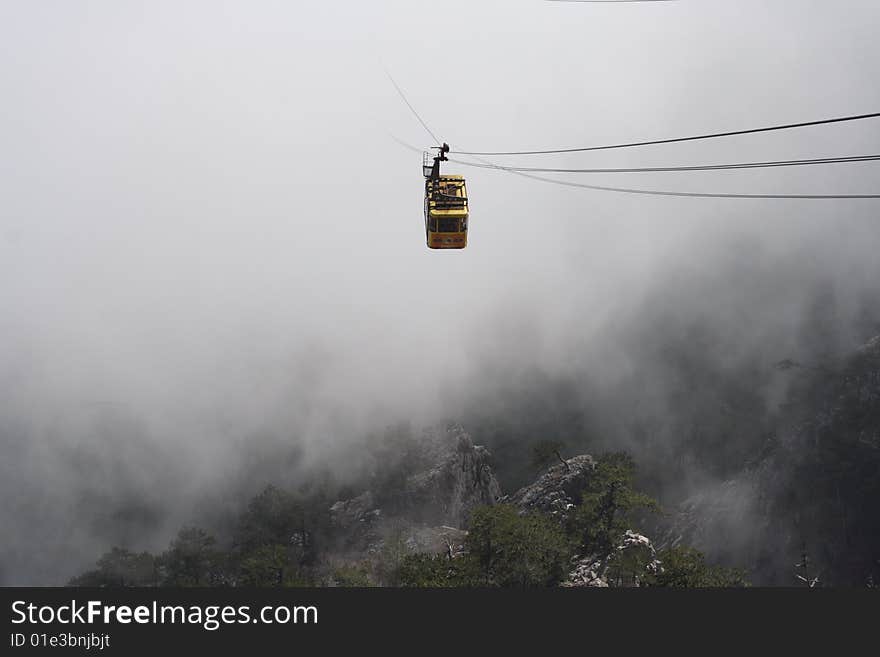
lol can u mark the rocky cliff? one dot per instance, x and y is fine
(557, 490)
(557, 493)
(431, 507)
(455, 477)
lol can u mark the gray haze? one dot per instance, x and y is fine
(209, 246)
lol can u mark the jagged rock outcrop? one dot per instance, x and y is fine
(434, 503)
(629, 564)
(460, 480)
(558, 490)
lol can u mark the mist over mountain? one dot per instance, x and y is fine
(689, 384)
(213, 275)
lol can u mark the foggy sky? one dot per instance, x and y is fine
(209, 245)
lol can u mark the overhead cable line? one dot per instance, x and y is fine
(484, 164)
(655, 192)
(622, 190)
(789, 126)
(701, 167)
(413, 109)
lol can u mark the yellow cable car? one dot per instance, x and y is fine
(446, 205)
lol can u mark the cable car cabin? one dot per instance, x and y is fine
(446, 213)
(446, 205)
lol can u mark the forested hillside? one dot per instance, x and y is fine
(429, 507)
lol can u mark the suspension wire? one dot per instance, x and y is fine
(408, 146)
(702, 167)
(485, 164)
(646, 192)
(789, 126)
(413, 109)
(653, 192)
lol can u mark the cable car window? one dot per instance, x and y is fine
(447, 225)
